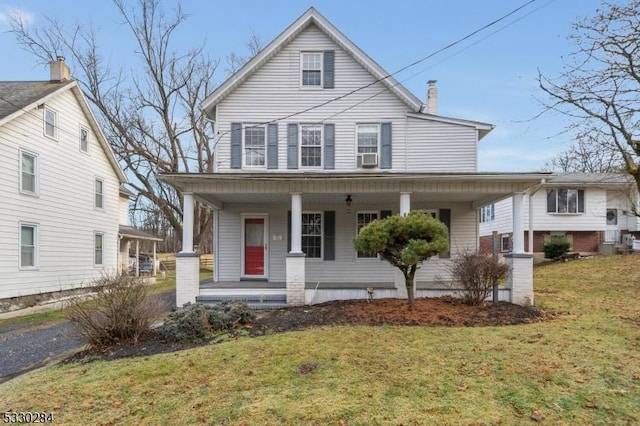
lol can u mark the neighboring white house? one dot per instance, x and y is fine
(59, 189)
(313, 141)
(592, 210)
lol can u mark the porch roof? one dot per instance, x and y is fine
(479, 189)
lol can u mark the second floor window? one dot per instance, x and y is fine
(28, 176)
(367, 135)
(565, 200)
(254, 146)
(311, 146)
(51, 123)
(312, 69)
(99, 194)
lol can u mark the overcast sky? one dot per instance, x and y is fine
(491, 77)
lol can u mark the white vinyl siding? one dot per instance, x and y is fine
(51, 123)
(346, 267)
(28, 246)
(274, 91)
(28, 173)
(64, 208)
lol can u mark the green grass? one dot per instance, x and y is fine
(581, 368)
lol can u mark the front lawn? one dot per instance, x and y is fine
(582, 367)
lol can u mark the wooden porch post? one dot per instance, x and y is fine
(153, 271)
(187, 262)
(187, 223)
(137, 258)
(296, 223)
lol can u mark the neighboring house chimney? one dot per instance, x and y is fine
(59, 70)
(432, 98)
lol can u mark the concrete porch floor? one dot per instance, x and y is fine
(228, 285)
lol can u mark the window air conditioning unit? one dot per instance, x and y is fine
(367, 160)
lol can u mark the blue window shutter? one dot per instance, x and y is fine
(292, 146)
(272, 146)
(385, 146)
(236, 145)
(328, 69)
(330, 235)
(329, 146)
(445, 217)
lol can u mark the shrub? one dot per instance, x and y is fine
(122, 310)
(555, 247)
(198, 321)
(477, 273)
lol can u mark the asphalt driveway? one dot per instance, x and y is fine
(24, 347)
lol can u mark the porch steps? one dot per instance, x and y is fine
(255, 301)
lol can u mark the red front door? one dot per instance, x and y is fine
(254, 248)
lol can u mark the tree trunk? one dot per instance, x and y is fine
(409, 277)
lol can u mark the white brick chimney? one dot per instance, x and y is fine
(59, 71)
(432, 98)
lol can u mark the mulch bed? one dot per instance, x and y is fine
(428, 312)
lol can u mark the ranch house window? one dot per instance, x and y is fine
(564, 200)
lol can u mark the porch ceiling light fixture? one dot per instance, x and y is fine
(348, 201)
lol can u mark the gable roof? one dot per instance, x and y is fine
(22, 97)
(310, 17)
(591, 179)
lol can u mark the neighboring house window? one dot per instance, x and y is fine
(488, 213)
(311, 146)
(312, 234)
(505, 242)
(98, 239)
(50, 123)
(28, 245)
(84, 140)
(99, 194)
(28, 173)
(254, 145)
(612, 216)
(365, 218)
(565, 200)
(312, 69)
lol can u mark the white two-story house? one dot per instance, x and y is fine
(593, 211)
(313, 141)
(59, 190)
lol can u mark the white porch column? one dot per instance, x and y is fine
(137, 258)
(530, 224)
(295, 263)
(399, 282)
(296, 223)
(518, 223)
(154, 270)
(187, 223)
(405, 203)
(187, 262)
(520, 278)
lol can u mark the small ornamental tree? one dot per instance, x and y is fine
(405, 242)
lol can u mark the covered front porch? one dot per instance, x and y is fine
(292, 233)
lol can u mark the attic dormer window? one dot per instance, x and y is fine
(312, 69)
